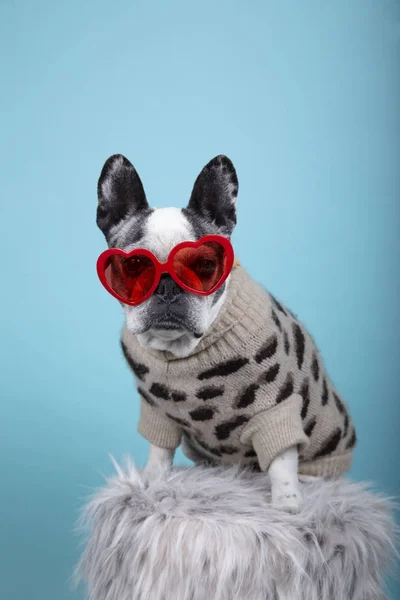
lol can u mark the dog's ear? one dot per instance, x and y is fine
(120, 193)
(214, 194)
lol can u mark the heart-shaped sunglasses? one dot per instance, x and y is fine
(197, 267)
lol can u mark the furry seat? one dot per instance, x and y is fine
(210, 534)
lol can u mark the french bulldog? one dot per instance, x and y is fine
(173, 319)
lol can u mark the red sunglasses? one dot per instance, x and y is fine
(197, 267)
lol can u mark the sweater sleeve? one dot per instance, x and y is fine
(157, 428)
(275, 430)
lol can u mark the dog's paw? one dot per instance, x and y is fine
(287, 498)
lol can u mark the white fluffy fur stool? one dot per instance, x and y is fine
(207, 533)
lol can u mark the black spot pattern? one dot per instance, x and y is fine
(339, 403)
(305, 394)
(139, 369)
(214, 451)
(276, 320)
(315, 367)
(178, 396)
(325, 393)
(146, 396)
(331, 444)
(208, 393)
(268, 350)
(286, 389)
(272, 373)
(352, 441)
(250, 453)
(309, 428)
(160, 391)
(247, 396)
(228, 449)
(345, 425)
(202, 414)
(220, 450)
(225, 368)
(278, 304)
(286, 343)
(224, 430)
(180, 422)
(300, 344)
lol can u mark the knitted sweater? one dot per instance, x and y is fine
(254, 386)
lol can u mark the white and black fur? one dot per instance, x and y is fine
(172, 319)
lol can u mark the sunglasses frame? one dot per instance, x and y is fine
(167, 267)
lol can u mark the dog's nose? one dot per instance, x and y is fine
(168, 290)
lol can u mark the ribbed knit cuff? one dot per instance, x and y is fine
(158, 429)
(329, 466)
(275, 430)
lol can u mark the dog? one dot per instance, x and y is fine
(217, 359)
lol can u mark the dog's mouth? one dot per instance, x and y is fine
(169, 326)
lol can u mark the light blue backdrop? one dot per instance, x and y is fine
(304, 97)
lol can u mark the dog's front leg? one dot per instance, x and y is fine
(159, 461)
(285, 488)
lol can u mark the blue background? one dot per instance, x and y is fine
(304, 97)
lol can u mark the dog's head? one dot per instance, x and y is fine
(171, 319)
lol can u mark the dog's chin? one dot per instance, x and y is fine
(178, 342)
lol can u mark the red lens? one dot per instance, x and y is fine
(200, 269)
(130, 277)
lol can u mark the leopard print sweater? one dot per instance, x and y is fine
(253, 387)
